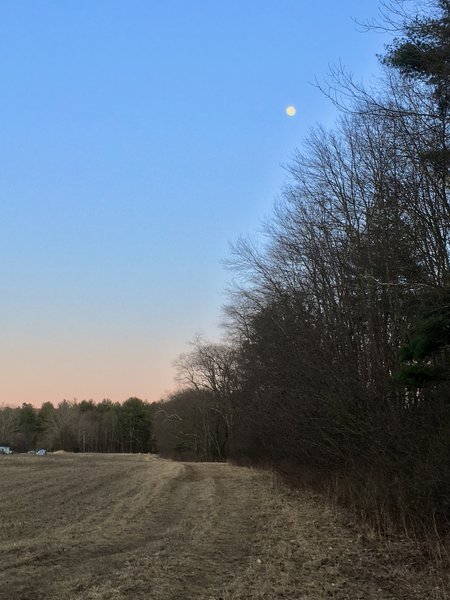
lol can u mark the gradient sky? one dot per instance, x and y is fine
(137, 139)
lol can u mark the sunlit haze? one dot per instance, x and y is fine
(138, 139)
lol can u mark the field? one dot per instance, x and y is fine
(114, 527)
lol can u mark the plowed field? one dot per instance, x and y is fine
(117, 527)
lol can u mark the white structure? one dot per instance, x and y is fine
(5, 450)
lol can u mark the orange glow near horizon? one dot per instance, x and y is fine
(40, 378)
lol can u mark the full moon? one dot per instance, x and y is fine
(290, 111)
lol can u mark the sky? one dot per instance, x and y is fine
(138, 138)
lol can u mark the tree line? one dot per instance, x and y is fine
(335, 368)
(79, 426)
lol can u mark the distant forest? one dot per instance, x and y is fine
(79, 426)
(335, 369)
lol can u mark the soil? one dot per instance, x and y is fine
(116, 527)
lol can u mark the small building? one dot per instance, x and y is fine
(5, 450)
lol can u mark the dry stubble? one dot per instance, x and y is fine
(115, 527)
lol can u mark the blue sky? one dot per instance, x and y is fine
(137, 139)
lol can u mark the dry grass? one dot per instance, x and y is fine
(110, 527)
(312, 550)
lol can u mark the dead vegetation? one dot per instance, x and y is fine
(90, 527)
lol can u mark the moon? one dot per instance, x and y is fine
(291, 111)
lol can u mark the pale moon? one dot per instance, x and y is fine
(290, 111)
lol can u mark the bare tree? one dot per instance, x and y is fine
(215, 368)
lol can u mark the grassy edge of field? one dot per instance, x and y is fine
(419, 568)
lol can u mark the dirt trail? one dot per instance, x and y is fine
(134, 527)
